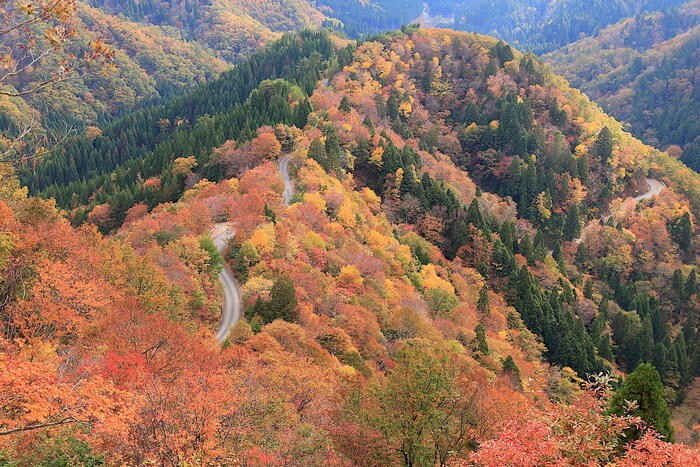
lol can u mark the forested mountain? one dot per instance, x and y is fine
(233, 28)
(439, 289)
(150, 64)
(360, 18)
(144, 65)
(541, 26)
(262, 244)
(236, 28)
(162, 49)
(644, 71)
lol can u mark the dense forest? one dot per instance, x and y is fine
(644, 72)
(229, 242)
(542, 26)
(114, 164)
(149, 64)
(442, 260)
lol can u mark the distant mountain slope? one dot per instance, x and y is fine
(541, 25)
(150, 64)
(645, 71)
(165, 48)
(235, 28)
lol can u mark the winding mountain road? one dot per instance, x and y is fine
(231, 311)
(655, 188)
(288, 184)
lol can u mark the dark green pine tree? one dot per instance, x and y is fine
(691, 285)
(344, 105)
(483, 304)
(646, 341)
(333, 150)
(525, 248)
(475, 218)
(682, 232)
(283, 301)
(584, 171)
(678, 283)
(581, 254)
(605, 348)
(644, 387)
(539, 252)
(604, 145)
(572, 226)
(480, 344)
(368, 123)
(511, 370)
(317, 152)
(270, 214)
(503, 260)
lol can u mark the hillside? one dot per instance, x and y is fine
(236, 28)
(159, 50)
(426, 296)
(541, 26)
(150, 63)
(643, 71)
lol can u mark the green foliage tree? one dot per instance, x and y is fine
(215, 264)
(644, 387)
(414, 401)
(283, 301)
(572, 226)
(682, 232)
(510, 368)
(344, 105)
(604, 145)
(483, 304)
(480, 344)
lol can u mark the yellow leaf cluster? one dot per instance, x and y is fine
(263, 239)
(346, 214)
(183, 165)
(256, 285)
(431, 280)
(377, 158)
(350, 275)
(315, 199)
(378, 241)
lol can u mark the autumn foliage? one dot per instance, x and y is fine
(382, 322)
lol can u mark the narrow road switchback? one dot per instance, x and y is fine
(655, 188)
(231, 310)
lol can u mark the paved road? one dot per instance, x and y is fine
(231, 310)
(288, 184)
(655, 188)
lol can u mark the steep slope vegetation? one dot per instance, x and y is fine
(542, 25)
(644, 72)
(236, 28)
(421, 300)
(150, 64)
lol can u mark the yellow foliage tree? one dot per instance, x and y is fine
(316, 199)
(263, 239)
(350, 275)
(184, 165)
(346, 215)
(431, 280)
(377, 158)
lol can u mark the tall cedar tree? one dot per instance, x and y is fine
(644, 386)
